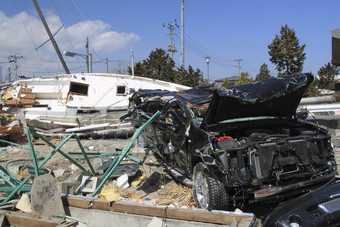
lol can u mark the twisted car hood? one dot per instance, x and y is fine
(278, 97)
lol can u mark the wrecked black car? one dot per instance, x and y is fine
(239, 144)
(320, 207)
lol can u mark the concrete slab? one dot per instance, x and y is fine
(100, 218)
(45, 197)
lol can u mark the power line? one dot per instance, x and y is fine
(196, 49)
(81, 13)
(84, 17)
(68, 37)
(30, 36)
(201, 51)
(208, 52)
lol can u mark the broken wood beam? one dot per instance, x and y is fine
(28, 220)
(198, 215)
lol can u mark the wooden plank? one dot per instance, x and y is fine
(101, 205)
(29, 220)
(76, 202)
(4, 130)
(26, 97)
(173, 213)
(18, 103)
(176, 213)
(6, 95)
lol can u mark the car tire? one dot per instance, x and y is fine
(209, 193)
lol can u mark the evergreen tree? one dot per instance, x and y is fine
(159, 66)
(264, 73)
(226, 83)
(206, 83)
(189, 77)
(244, 79)
(286, 53)
(312, 90)
(327, 75)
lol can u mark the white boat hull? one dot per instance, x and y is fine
(72, 100)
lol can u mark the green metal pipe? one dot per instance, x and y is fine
(4, 177)
(18, 145)
(18, 160)
(15, 144)
(85, 155)
(126, 149)
(114, 161)
(61, 152)
(88, 153)
(116, 154)
(28, 133)
(134, 159)
(16, 189)
(24, 188)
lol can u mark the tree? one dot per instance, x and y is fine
(264, 73)
(327, 75)
(159, 66)
(189, 77)
(226, 83)
(286, 53)
(312, 90)
(244, 79)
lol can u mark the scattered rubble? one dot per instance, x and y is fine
(79, 176)
(82, 177)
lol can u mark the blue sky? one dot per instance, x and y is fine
(225, 30)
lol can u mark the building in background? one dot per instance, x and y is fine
(232, 80)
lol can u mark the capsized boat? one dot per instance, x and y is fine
(77, 100)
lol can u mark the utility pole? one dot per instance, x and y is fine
(87, 54)
(9, 74)
(207, 59)
(132, 63)
(239, 66)
(51, 37)
(14, 58)
(182, 33)
(89, 57)
(171, 46)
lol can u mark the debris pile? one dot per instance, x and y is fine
(60, 120)
(37, 178)
(18, 95)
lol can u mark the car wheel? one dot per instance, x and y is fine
(209, 193)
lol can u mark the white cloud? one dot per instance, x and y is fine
(101, 38)
(21, 33)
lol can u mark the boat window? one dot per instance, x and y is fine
(79, 89)
(121, 90)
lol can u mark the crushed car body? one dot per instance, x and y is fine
(320, 207)
(239, 144)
